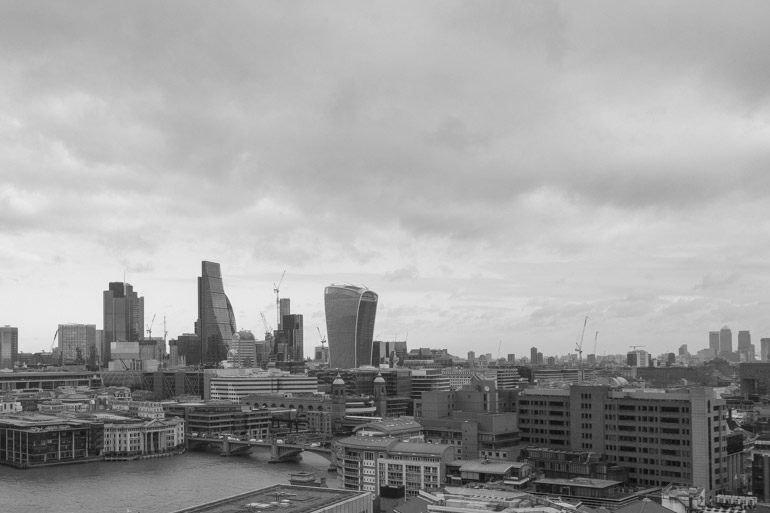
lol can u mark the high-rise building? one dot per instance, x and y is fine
(216, 320)
(284, 308)
(350, 313)
(123, 317)
(714, 341)
(9, 346)
(764, 345)
(745, 347)
(533, 355)
(292, 327)
(725, 341)
(77, 342)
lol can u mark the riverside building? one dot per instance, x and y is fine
(659, 436)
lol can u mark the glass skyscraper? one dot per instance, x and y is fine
(350, 313)
(9, 346)
(216, 320)
(123, 317)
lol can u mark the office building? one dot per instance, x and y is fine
(714, 341)
(293, 332)
(368, 463)
(428, 380)
(511, 358)
(764, 345)
(234, 384)
(216, 320)
(350, 314)
(725, 341)
(123, 316)
(745, 347)
(533, 355)
(9, 346)
(76, 342)
(284, 308)
(659, 436)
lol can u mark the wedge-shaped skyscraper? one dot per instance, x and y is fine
(350, 313)
(216, 320)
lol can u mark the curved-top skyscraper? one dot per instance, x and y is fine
(350, 313)
(216, 320)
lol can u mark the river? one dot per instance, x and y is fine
(160, 485)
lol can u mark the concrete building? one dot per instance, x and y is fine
(714, 341)
(659, 436)
(428, 380)
(292, 499)
(235, 384)
(211, 417)
(137, 438)
(764, 345)
(472, 419)
(369, 463)
(9, 346)
(350, 315)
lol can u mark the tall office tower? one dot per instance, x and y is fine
(745, 346)
(533, 355)
(764, 347)
(683, 350)
(123, 317)
(472, 358)
(283, 309)
(77, 342)
(9, 346)
(216, 320)
(725, 341)
(350, 313)
(292, 328)
(511, 358)
(714, 341)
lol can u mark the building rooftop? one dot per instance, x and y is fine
(581, 481)
(283, 498)
(421, 448)
(486, 467)
(391, 426)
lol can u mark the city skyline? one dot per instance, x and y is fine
(496, 172)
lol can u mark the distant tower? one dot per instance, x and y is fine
(350, 313)
(533, 355)
(714, 341)
(216, 320)
(725, 341)
(744, 345)
(338, 403)
(764, 347)
(380, 395)
(123, 315)
(284, 309)
(9, 346)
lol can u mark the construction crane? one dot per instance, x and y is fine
(323, 339)
(268, 331)
(276, 289)
(579, 349)
(149, 327)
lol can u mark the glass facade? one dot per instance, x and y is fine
(216, 320)
(350, 314)
(77, 342)
(123, 317)
(9, 346)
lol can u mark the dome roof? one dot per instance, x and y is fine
(379, 378)
(338, 380)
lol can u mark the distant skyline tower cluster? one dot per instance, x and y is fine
(123, 317)
(721, 343)
(350, 314)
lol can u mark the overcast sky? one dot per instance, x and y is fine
(495, 171)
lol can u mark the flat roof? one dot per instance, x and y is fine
(283, 498)
(580, 481)
(494, 467)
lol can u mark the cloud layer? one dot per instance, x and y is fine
(494, 170)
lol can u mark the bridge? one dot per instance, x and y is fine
(279, 452)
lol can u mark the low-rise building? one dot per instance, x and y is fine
(207, 418)
(369, 463)
(136, 438)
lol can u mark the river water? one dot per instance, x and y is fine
(160, 485)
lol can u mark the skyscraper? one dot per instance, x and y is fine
(283, 309)
(216, 320)
(350, 313)
(714, 341)
(9, 346)
(292, 327)
(123, 317)
(745, 347)
(725, 341)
